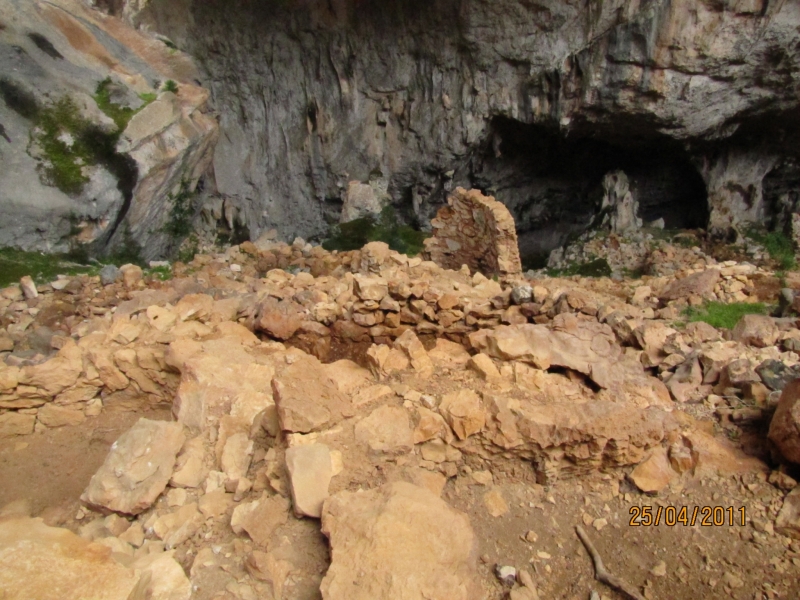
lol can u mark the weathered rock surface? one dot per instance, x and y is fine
(386, 429)
(788, 521)
(119, 192)
(784, 429)
(307, 398)
(623, 68)
(48, 563)
(310, 471)
(137, 469)
(399, 541)
(756, 330)
(586, 347)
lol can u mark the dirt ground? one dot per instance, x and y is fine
(51, 469)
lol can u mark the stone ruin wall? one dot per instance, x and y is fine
(477, 231)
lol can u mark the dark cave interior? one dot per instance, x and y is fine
(553, 184)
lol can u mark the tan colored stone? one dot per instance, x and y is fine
(399, 541)
(584, 346)
(60, 416)
(347, 375)
(477, 231)
(784, 429)
(176, 527)
(58, 373)
(13, 424)
(195, 306)
(386, 429)
(447, 353)
(370, 288)
(464, 413)
(166, 578)
(307, 398)
(48, 563)
(236, 456)
(279, 319)
(495, 503)
(190, 470)
(756, 330)
(162, 319)
(371, 394)
(28, 288)
(137, 468)
(9, 378)
(263, 519)
(788, 521)
(430, 425)
(383, 360)
(131, 275)
(310, 472)
(484, 367)
(417, 355)
(654, 474)
(697, 284)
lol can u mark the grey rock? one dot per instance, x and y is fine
(411, 91)
(522, 294)
(777, 375)
(110, 274)
(785, 301)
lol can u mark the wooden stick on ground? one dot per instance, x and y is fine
(602, 574)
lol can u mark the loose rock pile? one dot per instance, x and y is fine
(353, 388)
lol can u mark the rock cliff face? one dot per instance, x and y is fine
(93, 142)
(534, 102)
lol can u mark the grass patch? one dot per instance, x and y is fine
(179, 224)
(43, 268)
(778, 245)
(598, 267)
(723, 316)
(384, 228)
(65, 137)
(121, 115)
(161, 273)
(170, 86)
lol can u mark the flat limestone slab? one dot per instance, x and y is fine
(137, 469)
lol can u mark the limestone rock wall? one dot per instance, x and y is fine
(113, 186)
(477, 231)
(430, 96)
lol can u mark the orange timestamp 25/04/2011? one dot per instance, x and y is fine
(706, 516)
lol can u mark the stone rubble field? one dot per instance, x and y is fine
(281, 422)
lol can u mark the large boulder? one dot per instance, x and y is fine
(137, 469)
(399, 541)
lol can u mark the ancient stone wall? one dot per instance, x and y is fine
(477, 231)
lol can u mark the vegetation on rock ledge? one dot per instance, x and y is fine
(724, 316)
(353, 235)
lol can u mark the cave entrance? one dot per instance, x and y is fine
(552, 184)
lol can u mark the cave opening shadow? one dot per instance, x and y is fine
(552, 184)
